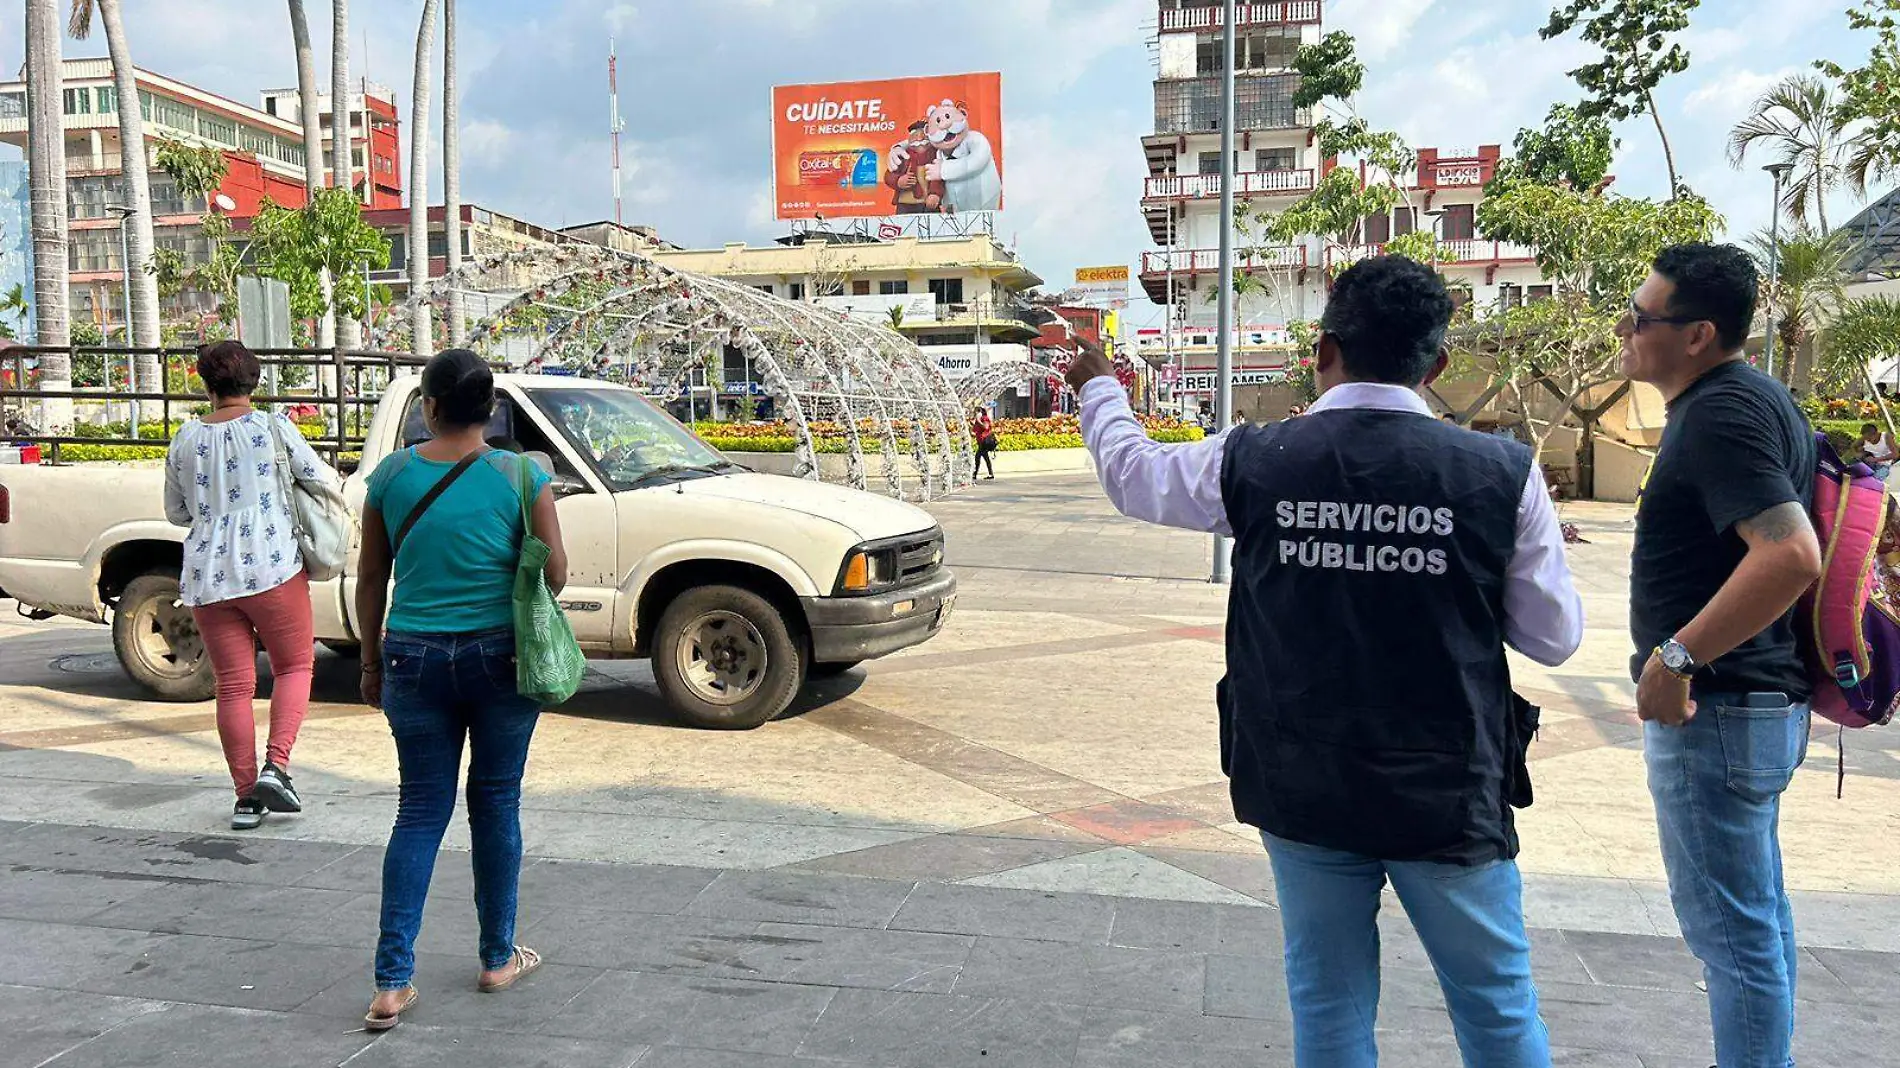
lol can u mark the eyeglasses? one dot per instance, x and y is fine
(1635, 319)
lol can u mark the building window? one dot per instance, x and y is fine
(1537, 293)
(861, 288)
(1261, 49)
(955, 338)
(168, 112)
(767, 290)
(947, 290)
(12, 105)
(1510, 296)
(1274, 159)
(1193, 105)
(356, 157)
(797, 291)
(217, 128)
(94, 250)
(78, 101)
(106, 98)
(1377, 229)
(891, 289)
(1404, 221)
(1209, 163)
(1460, 222)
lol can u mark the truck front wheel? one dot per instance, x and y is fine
(725, 658)
(157, 641)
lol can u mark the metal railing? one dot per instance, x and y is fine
(1203, 260)
(361, 375)
(983, 311)
(1246, 183)
(1213, 17)
(1460, 251)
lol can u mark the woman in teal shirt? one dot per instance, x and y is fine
(445, 671)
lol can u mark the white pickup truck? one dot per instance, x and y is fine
(738, 586)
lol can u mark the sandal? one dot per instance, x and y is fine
(375, 1022)
(524, 962)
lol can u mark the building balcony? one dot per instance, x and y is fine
(1188, 263)
(1470, 252)
(1246, 184)
(1001, 317)
(1213, 17)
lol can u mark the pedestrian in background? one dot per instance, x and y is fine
(243, 574)
(983, 429)
(1876, 450)
(1723, 550)
(1378, 741)
(444, 674)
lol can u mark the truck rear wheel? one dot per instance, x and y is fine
(726, 659)
(157, 641)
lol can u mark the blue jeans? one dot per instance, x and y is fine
(438, 689)
(1471, 921)
(1717, 782)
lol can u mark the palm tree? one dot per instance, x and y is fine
(348, 334)
(422, 339)
(135, 167)
(1864, 333)
(451, 176)
(1811, 286)
(312, 118)
(46, 166)
(1799, 121)
(15, 306)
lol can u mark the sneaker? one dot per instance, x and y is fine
(248, 814)
(274, 790)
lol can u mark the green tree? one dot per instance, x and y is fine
(14, 305)
(1810, 285)
(1864, 332)
(1595, 249)
(1567, 149)
(297, 245)
(1870, 93)
(1639, 51)
(1801, 124)
(198, 171)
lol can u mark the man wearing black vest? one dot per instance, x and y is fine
(1723, 550)
(1383, 559)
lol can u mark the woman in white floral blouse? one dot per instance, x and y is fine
(243, 575)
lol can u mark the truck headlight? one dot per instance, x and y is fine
(869, 570)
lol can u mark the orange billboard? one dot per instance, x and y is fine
(908, 146)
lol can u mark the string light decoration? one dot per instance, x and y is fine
(596, 312)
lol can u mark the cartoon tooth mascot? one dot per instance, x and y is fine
(965, 163)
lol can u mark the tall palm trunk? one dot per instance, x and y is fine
(422, 339)
(135, 167)
(46, 168)
(311, 117)
(349, 332)
(452, 178)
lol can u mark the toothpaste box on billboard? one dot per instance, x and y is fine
(907, 146)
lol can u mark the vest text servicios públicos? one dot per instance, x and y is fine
(1361, 517)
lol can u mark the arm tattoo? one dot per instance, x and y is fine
(1777, 524)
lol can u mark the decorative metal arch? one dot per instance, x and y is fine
(599, 312)
(990, 382)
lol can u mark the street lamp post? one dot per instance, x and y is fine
(1224, 360)
(125, 277)
(1780, 172)
(1437, 216)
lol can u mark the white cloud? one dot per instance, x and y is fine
(1727, 97)
(485, 142)
(1380, 25)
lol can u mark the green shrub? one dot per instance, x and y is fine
(92, 453)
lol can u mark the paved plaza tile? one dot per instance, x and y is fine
(1011, 846)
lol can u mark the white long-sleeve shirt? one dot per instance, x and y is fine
(1180, 486)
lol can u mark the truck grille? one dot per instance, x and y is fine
(919, 559)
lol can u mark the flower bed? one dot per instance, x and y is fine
(76, 454)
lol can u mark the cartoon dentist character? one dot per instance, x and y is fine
(965, 162)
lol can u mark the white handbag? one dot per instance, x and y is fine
(320, 518)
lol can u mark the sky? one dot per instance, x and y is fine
(696, 76)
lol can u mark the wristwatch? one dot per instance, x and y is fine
(1676, 660)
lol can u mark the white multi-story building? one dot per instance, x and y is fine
(1277, 162)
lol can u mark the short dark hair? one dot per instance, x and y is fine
(1714, 282)
(228, 369)
(1865, 427)
(462, 387)
(1389, 315)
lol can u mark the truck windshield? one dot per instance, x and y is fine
(631, 442)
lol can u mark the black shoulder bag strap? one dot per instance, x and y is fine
(395, 544)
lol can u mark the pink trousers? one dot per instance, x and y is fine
(231, 630)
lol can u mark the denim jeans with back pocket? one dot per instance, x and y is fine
(1717, 783)
(439, 689)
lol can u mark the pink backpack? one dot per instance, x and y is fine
(1850, 627)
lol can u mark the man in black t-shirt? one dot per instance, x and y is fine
(1723, 550)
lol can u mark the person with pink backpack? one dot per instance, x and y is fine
(1724, 551)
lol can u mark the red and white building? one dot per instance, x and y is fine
(264, 153)
(1277, 163)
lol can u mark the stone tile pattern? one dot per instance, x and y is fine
(166, 949)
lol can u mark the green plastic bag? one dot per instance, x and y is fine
(549, 663)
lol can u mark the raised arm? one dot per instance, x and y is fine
(1543, 616)
(1172, 485)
